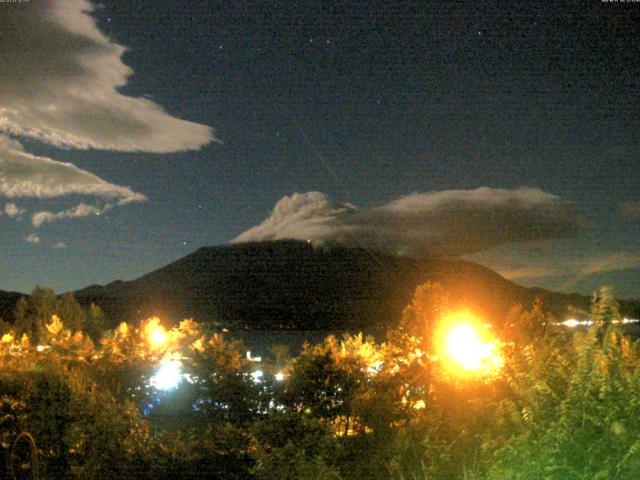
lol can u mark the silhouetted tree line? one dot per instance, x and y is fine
(32, 314)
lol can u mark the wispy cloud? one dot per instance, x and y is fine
(566, 266)
(25, 175)
(611, 261)
(451, 222)
(12, 210)
(81, 210)
(61, 84)
(60, 81)
(32, 238)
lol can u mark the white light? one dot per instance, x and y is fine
(257, 375)
(572, 322)
(253, 359)
(279, 376)
(375, 367)
(168, 376)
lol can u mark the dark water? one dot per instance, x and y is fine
(259, 341)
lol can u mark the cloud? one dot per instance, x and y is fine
(630, 210)
(81, 210)
(451, 222)
(528, 272)
(12, 210)
(562, 266)
(60, 81)
(25, 175)
(59, 246)
(33, 238)
(621, 260)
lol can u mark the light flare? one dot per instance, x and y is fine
(466, 347)
(168, 375)
(156, 333)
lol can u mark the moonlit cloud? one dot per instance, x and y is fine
(561, 266)
(621, 260)
(33, 239)
(81, 210)
(60, 79)
(25, 175)
(451, 222)
(12, 210)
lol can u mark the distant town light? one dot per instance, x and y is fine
(253, 359)
(572, 322)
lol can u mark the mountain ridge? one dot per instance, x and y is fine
(290, 284)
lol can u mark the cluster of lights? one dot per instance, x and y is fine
(169, 373)
(464, 346)
(572, 322)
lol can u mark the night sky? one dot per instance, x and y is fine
(503, 132)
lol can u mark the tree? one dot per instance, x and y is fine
(95, 322)
(323, 382)
(281, 354)
(293, 446)
(6, 327)
(429, 304)
(23, 323)
(34, 313)
(71, 313)
(572, 412)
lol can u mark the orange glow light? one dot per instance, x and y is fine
(156, 333)
(466, 347)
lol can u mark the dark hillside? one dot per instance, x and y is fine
(8, 302)
(291, 285)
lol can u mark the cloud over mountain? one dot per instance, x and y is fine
(451, 222)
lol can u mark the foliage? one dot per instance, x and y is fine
(575, 410)
(294, 445)
(34, 312)
(563, 406)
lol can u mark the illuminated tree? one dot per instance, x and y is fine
(323, 382)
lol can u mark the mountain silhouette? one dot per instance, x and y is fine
(293, 286)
